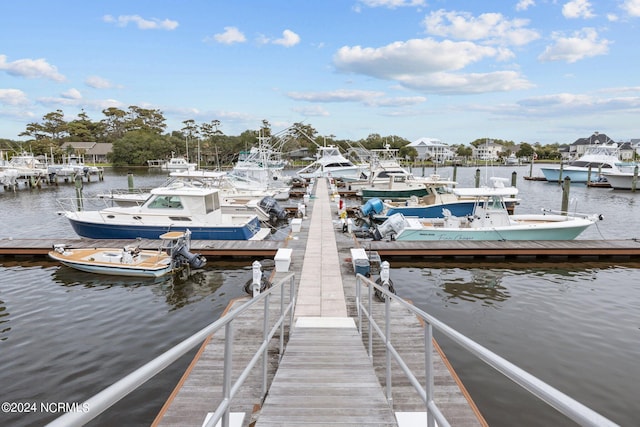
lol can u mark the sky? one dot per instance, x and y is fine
(547, 71)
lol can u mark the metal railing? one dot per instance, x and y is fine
(112, 394)
(558, 400)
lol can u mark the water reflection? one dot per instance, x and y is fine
(178, 290)
(472, 285)
(4, 321)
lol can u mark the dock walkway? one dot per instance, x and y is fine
(325, 375)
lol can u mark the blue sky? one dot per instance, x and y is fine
(529, 70)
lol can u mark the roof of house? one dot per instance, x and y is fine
(98, 148)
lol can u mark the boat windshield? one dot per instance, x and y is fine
(166, 202)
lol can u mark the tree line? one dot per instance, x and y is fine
(139, 134)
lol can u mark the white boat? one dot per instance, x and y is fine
(597, 158)
(26, 165)
(490, 221)
(177, 163)
(174, 208)
(172, 255)
(73, 165)
(381, 165)
(331, 163)
(625, 179)
(260, 169)
(233, 199)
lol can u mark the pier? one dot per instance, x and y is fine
(325, 375)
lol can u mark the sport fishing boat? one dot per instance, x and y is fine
(331, 163)
(490, 221)
(173, 208)
(172, 255)
(599, 158)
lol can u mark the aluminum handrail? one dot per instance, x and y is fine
(551, 396)
(112, 394)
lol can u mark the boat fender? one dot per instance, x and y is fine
(264, 285)
(381, 296)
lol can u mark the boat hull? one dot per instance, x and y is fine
(576, 175)
(555, 227)
(399, 194)
(96, 230)
(115, 268)
(460, 209)
(622, 181)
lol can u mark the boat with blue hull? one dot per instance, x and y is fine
(174, 208)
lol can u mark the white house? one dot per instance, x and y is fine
(487, 151)
(432, 148)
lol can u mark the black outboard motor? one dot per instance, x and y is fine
(194, 260)
(180, 254)
(273, 209)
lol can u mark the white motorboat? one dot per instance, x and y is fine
(598, 158)
(331, 163)
(177, 163)
(233, 199)
(490, 221)
(625, 179)
(177, 207)
(73, 165)
(173, 254)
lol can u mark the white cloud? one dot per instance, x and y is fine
(31, 68)
(429, 66)
(632, 7)
(141, 23)
(392, 4)
(525, 4)
(13, 97)
(577, 9)
(489, 27)
(457, 84)
(231, 35)
(289, 38)
(341, 95)
(401, 101)
(416, 56)
(97, 82)
(582, 44)
(72, 94)
(312, 111)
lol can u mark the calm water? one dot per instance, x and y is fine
(65, 335)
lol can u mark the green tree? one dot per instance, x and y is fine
(138, 146)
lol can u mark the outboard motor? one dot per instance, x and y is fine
(373, 206)
(194, 260)
(180, 253)
(364, 214)
(393, 225)
(273, 209)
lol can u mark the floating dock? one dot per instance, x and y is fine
(325, 376)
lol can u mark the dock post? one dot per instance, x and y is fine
(634, 180)
(531, 167)
(561, 170)
(455, 173)
(78, 183)
(130, 181)
(514, 178)
(257, 278)
(589, 175)
(565, 195)
(478, 178)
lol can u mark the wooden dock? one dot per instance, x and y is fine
(325, 376)
(526, 249)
